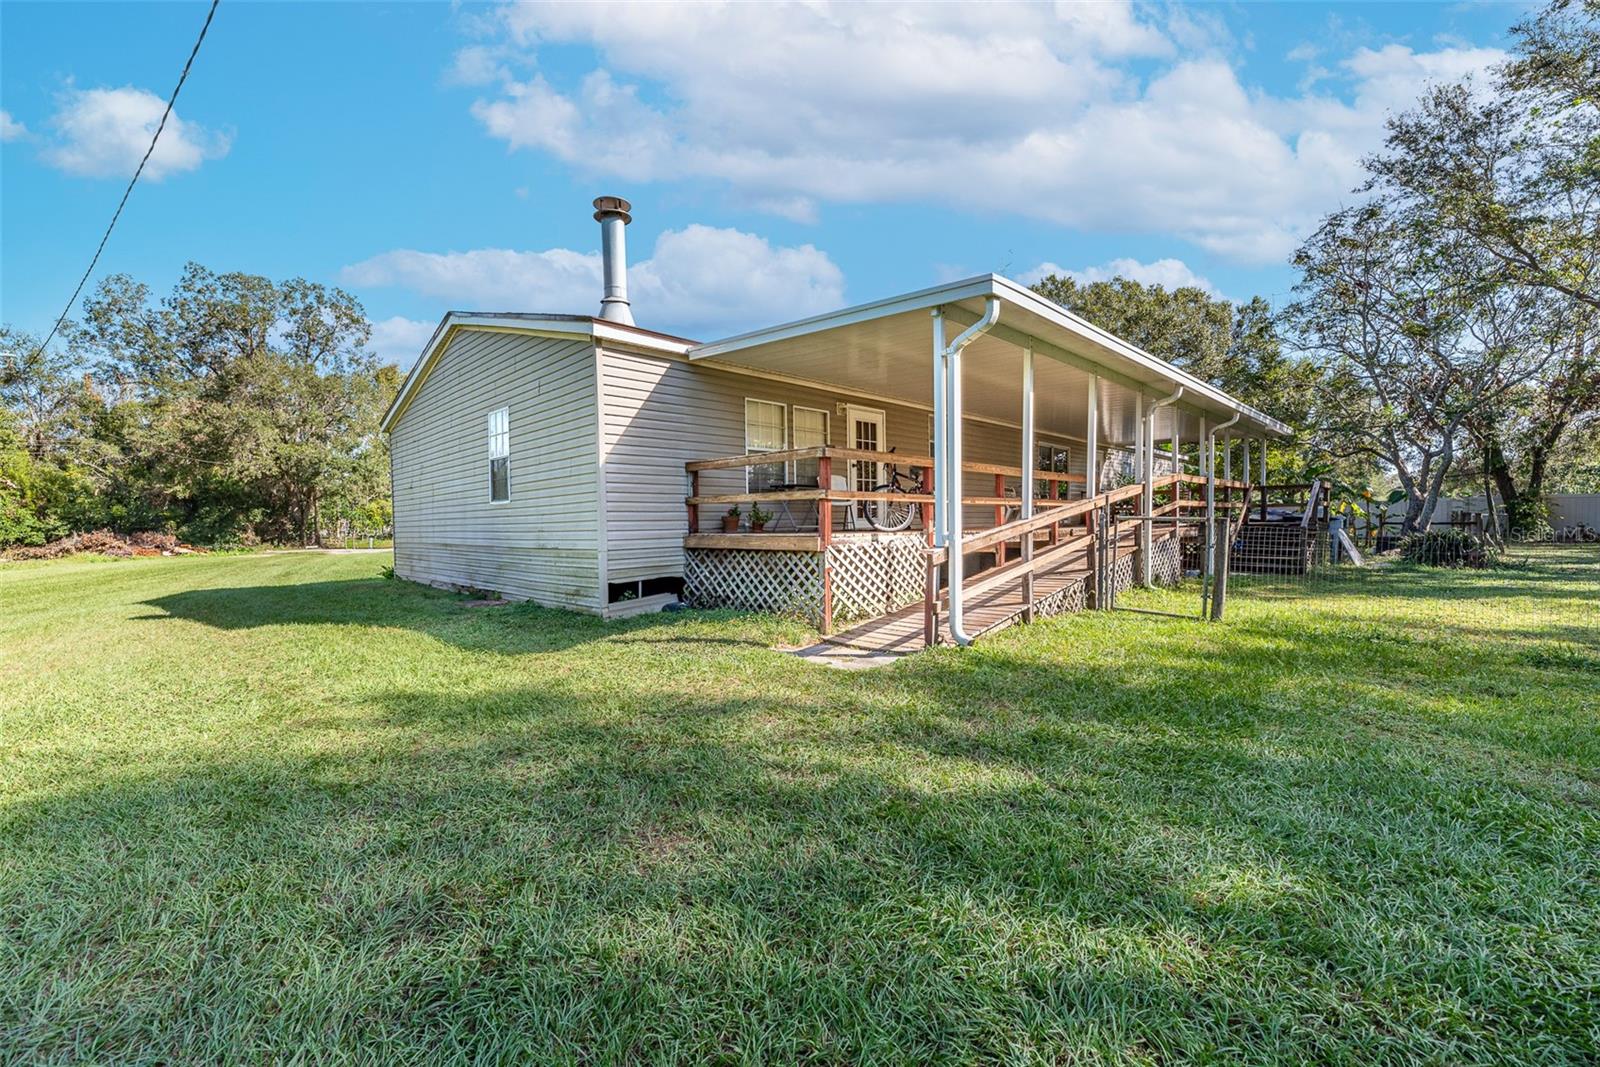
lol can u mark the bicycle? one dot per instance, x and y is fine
(891, 516)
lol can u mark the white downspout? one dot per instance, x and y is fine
(953, 489)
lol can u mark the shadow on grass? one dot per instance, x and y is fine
(947, 861)
(512, 629)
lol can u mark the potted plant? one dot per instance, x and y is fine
(758, 518)
(730, 521)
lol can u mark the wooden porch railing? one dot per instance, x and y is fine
(826, 496)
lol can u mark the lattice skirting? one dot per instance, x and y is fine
(870, 578)
(1122, 574)
(1166, 562)
(1072, 597)
(782, 582)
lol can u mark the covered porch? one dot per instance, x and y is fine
(1052, 450)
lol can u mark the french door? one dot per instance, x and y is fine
(867, 433)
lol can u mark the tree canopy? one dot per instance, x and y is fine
(232, 408)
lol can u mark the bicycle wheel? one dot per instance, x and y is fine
(890, 516)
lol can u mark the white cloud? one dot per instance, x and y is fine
(103, 133)
(10, 128)
(399, 340)
(1022, 107)
(1168, 273)
(699, 281)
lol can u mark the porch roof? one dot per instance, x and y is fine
(884, 349)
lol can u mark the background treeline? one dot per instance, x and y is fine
(233, 410)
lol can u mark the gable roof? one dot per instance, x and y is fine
(535, 324)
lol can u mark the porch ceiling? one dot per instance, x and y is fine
(885, 350)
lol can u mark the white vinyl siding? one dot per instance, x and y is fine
(765, 430)
(544, 543)
(500, 455)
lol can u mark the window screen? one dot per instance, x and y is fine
(765, 430)
(810, 431)
(500, 454)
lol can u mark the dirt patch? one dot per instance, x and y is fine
(107, 543)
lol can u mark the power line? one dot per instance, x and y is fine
(171, 100)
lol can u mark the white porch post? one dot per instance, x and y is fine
(1227, 458)
(1028, 460)
(1177, 465)
(941, 451)
(1208, 471)
(1147, 497)
(1028, 464)
(1263, 460)
(1091, 451)
(1246, 451)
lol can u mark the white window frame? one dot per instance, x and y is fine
(1050, 442)
(827, 432)
(498, 439)
(783, 433)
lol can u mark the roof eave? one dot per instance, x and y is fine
(985, 285)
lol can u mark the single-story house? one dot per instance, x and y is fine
(586, 462)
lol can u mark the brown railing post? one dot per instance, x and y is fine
(827, 593)
(694, 509)
(825, 505)
(1090, 524)
(927, 507)
(930, 602)
(1000, 515)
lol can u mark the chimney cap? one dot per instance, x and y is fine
(607, 206)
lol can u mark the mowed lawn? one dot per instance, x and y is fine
(276, 807)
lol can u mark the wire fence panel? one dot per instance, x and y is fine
(1452, 582)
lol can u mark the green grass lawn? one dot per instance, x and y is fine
(275, 808)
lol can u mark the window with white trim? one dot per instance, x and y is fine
(810, 431)
(499, 455)
(765, 430)
(1049, 456)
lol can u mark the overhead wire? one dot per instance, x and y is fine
(171, 100)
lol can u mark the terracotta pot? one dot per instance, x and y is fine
(730, 524)
(757, 527)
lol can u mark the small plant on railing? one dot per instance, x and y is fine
(758, 518)
(730, 521)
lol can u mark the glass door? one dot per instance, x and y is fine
(866, 434)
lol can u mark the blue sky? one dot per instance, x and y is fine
(781, 160)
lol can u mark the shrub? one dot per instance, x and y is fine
(1443, 548)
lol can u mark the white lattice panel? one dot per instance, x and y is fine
(1071, 597)
(1166, 562)
(754, 580)
(1122, 574)
(872, 578)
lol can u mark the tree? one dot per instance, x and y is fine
(1516, 172)
(1236, 347)
(1515, 169)
(239, 403)
(1416, 338)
